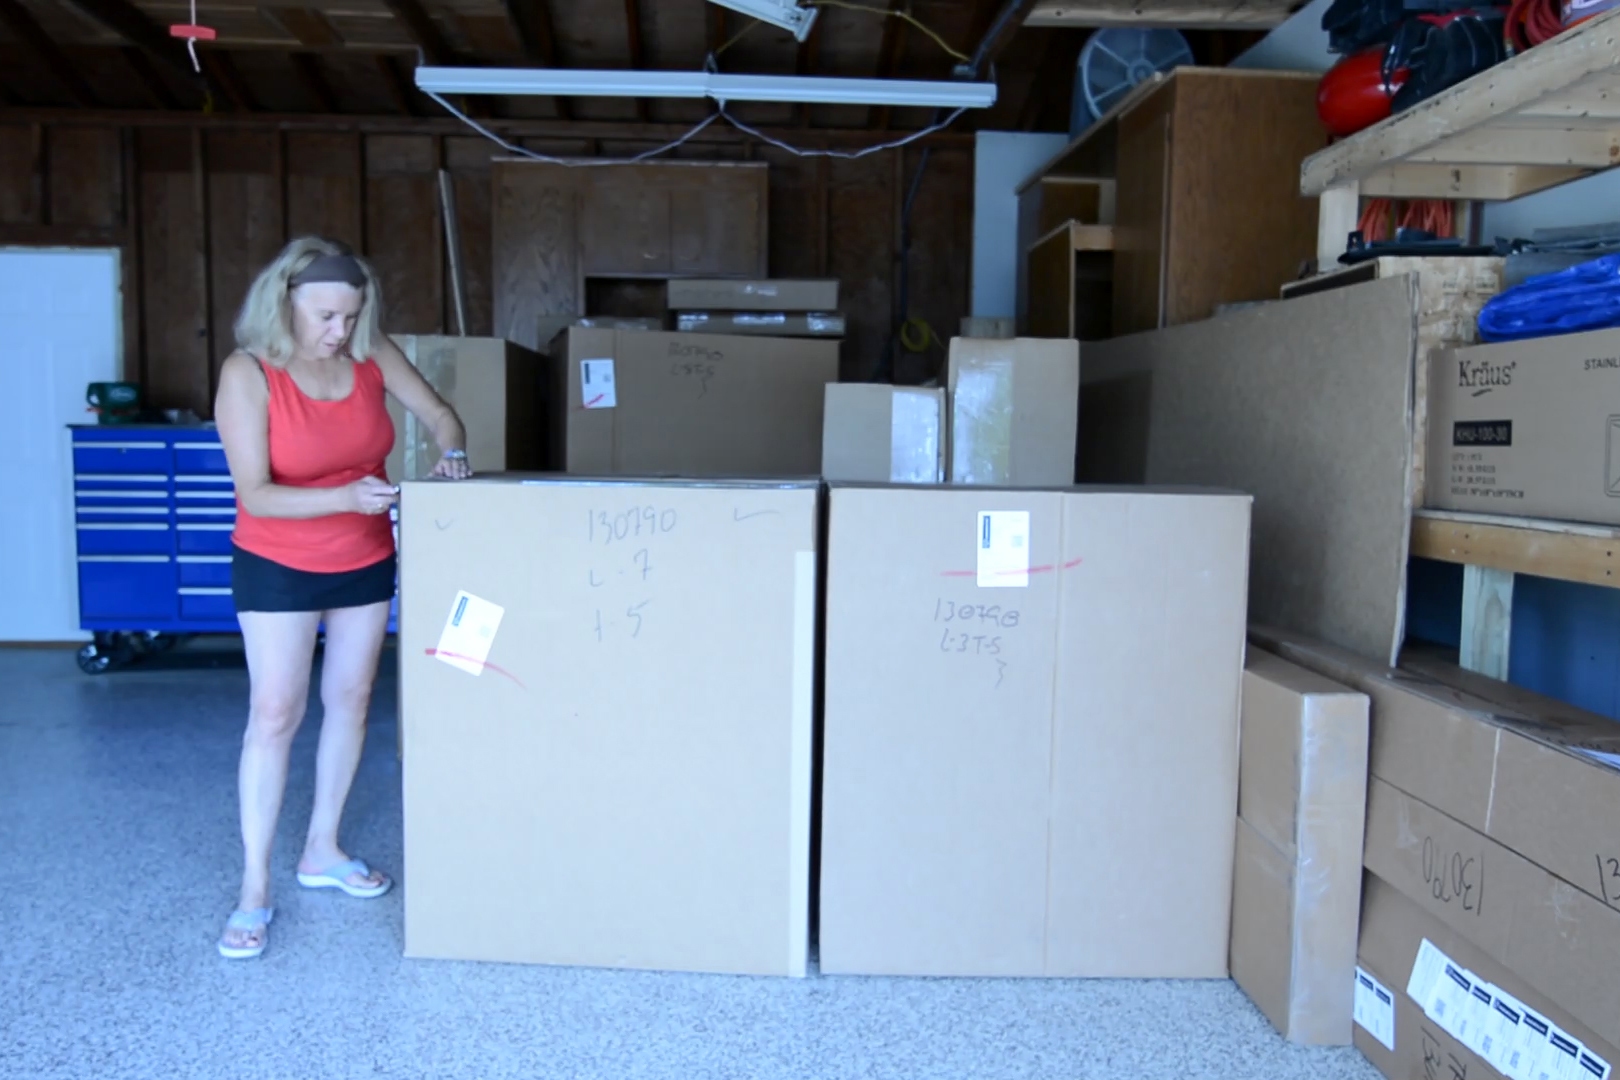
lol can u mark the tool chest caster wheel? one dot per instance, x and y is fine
(109, 650)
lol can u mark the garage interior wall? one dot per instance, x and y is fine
(196, 207)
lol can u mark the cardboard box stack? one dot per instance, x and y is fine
(1490, 929)
(1528, 428)
(778, 308)
(607, 692)
(1019, 777)
(1302, 797)
(496, 387)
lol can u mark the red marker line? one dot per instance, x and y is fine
(472, 660)
(1070, 565)
(594, 400)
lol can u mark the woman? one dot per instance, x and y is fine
(302, 415)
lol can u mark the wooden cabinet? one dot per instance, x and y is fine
(1205, 164)
(555, 226)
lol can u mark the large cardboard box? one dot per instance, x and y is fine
(636, 402)
(1014, 411)
(777, 324)
(1296, 893)
(885, 434)
(738, 294)
(1019, 776)
(1528, 428)
(497, 388)
(1433, 1006)
(607, 689)
(1498, 818)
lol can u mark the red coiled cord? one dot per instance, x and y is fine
(1530, 22)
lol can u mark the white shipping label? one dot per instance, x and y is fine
(1003, 549)
(1375, 1008)
(469, 633)
(1481, 1020)
(1425, 971)
(1563, 1060)
(1538, 1057)
(1593, 1067)
(1505, 1043)
(1449, 1001)
(596, 387)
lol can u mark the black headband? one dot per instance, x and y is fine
(342, 268)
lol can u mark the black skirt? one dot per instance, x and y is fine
(260, 584)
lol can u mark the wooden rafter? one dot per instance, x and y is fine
(137, 28)
(148, 77)
(423, 30)
(33, 36)
(313, 78)
(717, 31)
(222, 72)
(807, 61)
(1180, 14)
(399, 91)
(1029, 111)
(635, 42)
(889, 49)
(537, 37)
(311, 27)
(1006, 22)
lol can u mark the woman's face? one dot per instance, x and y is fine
(324, 315)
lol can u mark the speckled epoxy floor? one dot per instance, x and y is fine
(117, 864)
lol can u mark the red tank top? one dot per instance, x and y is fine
(323, 444)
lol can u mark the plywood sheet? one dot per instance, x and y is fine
(1306, 405)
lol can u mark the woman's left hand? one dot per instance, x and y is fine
(453, 467)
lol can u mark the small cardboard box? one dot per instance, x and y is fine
(883, 434)
(778, 324)
(1015, 409)
(728, 294)
(1296, 895)
(607, 692)
(639, 402)
(1018, 777)
(1528, 428)
(496, 387)
(1432, 1006)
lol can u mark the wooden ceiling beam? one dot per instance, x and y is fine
(222, 72)
(537, 37)
(148, 77)
(136, 27)
(424, 31)
(1029, 110)
(313, 78)
(310, 27)
(1006, 23)
(807, 61)
(1177, 14)
(33, 36)
(399, 90)
(636, 43)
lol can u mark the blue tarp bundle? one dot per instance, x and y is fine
(1584, 297)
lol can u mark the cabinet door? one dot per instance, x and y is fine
(718, 227)
(624, 227)
(1140, 212)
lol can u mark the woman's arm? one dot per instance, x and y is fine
(417, 395)
(241, 413)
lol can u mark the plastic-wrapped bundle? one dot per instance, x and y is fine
(1584, 297)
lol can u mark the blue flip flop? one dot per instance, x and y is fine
(247, 922)
(337, 877)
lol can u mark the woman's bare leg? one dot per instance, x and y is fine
(280, 648)
(354, 639)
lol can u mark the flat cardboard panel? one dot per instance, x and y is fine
(1011, 774)
(1529, 428)
(766, 324)
(1302, 802)
(694, 404)
(1013, 411)
(1393, 930)
(1562, 941)
(878, 433)
(495, 387)
(698, 294)
(628, 781)
(1307, 406)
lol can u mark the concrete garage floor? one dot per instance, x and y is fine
(118, 861)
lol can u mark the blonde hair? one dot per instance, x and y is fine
(264, 326)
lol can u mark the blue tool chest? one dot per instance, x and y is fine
(154, 509)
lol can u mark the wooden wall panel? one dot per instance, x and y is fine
(323, 186)
(941, 240)
(468, 160)
(798, 215)
(404, 238)
(20, 159)
(85, 177)
(861, 255)
(174, 273)
(535, 249)
(245, 230)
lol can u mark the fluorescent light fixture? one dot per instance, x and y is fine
(787, 14)
(796, 89)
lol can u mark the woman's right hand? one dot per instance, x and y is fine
(369, 495)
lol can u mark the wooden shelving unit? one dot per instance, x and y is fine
(1547, 116)
(1492, 550)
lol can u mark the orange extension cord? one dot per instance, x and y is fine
(1382, 217)
(1530, 22)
